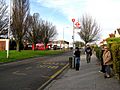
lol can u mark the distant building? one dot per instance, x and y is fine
(60, 44)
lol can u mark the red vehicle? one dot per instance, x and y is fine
(40, 46)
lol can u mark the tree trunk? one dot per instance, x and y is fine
(18, 46)
(33, 46)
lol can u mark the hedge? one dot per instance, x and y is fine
(115, 48)
(114, 45)
(98, 52)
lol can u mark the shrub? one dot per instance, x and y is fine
(115, 48)
(113, 40)
(114, 45)
(98, 52)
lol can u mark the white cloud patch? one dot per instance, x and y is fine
(70, 8)
(106, 12)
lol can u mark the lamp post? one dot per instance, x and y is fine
(63, 36)
(9, 29)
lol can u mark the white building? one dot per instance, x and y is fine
(60, 44)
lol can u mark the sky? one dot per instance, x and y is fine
(60, 13)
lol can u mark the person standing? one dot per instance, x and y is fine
(77, 58)
(101, 60)
(88, 51)
(107, 61)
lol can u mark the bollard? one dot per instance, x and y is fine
(70, 62)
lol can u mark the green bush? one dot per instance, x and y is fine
(114, 45)
(98, 52)
(115, 49)
(113, 40)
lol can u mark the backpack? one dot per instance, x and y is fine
(88, 50)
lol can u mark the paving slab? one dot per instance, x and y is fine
(87, 78)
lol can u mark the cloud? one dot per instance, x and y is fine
(103, 10)
(70, 8)
(106, 12)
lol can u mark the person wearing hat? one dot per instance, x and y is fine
(107, 61)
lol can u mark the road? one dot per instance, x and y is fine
(30, 74)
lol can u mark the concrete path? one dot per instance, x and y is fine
(87, 78)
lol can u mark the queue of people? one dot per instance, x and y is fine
(77, 52)
(105, 59)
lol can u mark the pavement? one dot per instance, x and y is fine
(87, 78)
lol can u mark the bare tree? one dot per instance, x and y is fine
(89, 30)
(79, 44)
(3, 18)
(118, 30)
(48, 32)
(33, 34)
(20, 17)
(40, 31)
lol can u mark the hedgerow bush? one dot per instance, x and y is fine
(115, 48)
(98, 52)
(114, 45)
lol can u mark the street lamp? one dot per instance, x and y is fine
(9, 28)
(63, 36)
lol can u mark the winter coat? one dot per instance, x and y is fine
(107, 58)
(77, 53)
(88, 50)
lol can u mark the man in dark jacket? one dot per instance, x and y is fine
(77, 58)
(88, 51)
(101, 59)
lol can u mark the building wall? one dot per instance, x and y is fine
(61, 43)
(2, 45)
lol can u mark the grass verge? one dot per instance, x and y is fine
(24, 54)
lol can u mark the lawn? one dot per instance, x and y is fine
(24, 54)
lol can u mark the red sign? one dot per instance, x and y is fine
(77, 24)
(73, 20)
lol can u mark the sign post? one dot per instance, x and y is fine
(73, 20)
(73, 37)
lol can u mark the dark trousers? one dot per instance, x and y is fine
(88, 58)
(77, 62)
(107, 69)
(102, 67)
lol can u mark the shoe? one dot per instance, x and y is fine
(106, 76)
(100, 71)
